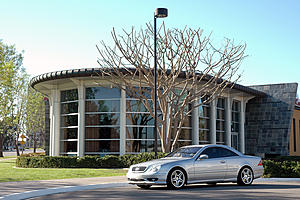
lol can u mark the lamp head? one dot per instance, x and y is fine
(161, 13)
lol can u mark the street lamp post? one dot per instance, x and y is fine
(159, 13)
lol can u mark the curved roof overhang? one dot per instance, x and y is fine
(60, 77)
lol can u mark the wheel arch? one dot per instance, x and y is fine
(178, 167)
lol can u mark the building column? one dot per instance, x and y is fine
(213, 118)
(55, 123)
(242, 127)
(228, 107)
(51, 102)
(81, 121)
(123, 123)
(195, 125)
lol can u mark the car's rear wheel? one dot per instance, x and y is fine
(144, 186)
(245, 176)
(176, 179)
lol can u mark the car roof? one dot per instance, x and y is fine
(205, 145)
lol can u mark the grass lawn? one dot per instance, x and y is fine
(9, 173)
(7, 157)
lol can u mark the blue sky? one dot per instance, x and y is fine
(62, 34)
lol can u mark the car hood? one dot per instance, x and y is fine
(161, 161)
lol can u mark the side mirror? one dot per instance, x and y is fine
(203, 156)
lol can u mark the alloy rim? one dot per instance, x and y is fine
(177, 178)
(247, 176)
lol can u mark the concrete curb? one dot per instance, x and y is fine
(277, 180)
(43, 192)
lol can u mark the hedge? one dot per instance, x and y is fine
(282, 169)
(279, 167)
(35, 161)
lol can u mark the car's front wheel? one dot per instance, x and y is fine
(245, 176)
(176, 179)
(144, 186)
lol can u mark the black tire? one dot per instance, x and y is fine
(176, 178)
(245, 176)
(144, 186)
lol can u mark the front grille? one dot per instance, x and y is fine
(138, 169)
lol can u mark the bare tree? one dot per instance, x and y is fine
(189, 68)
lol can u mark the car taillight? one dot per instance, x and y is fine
(260, 163)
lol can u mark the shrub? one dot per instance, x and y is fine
(281, 169)
(46, 162)
(35, 161)
(89, 162)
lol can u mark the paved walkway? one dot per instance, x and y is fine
(12, 190)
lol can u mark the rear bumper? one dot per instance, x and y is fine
(258, 171)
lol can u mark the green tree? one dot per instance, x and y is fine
(34, 117)
(12, 81)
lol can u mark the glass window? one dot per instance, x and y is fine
(68, 146)
(235, 116)
(139, 132)
(69, 120)
(102, 146)
(102, 133)
(102, 93)
(225, 152)
(184, 152)
(211, 152)
(204, 122)
(137, 146)
(102, 119)
(102, 106)
(186, 123)
(185, 134)
(69, 95)
(204, 137)
(69, 133)
(67, 108)
(137, 106)
(146, 92)
(140, 119)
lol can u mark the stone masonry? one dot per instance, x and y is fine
(268, 120)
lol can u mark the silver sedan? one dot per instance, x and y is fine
(197, 164)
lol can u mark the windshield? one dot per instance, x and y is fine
(188, 152)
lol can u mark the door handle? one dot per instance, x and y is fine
(222, 161)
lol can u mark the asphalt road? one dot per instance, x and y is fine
(14, 153)
(260, 190)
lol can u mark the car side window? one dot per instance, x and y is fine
(211, 152)
(225, 152)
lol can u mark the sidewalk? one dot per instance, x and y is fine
(64, 185)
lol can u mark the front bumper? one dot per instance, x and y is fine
(141, 178)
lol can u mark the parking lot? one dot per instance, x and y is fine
(260, 190)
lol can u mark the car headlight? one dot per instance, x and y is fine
(154, 168)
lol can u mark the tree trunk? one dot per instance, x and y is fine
(16, 145)
(1, 145)
(34, 142)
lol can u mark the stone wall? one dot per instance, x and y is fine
(268, 119)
